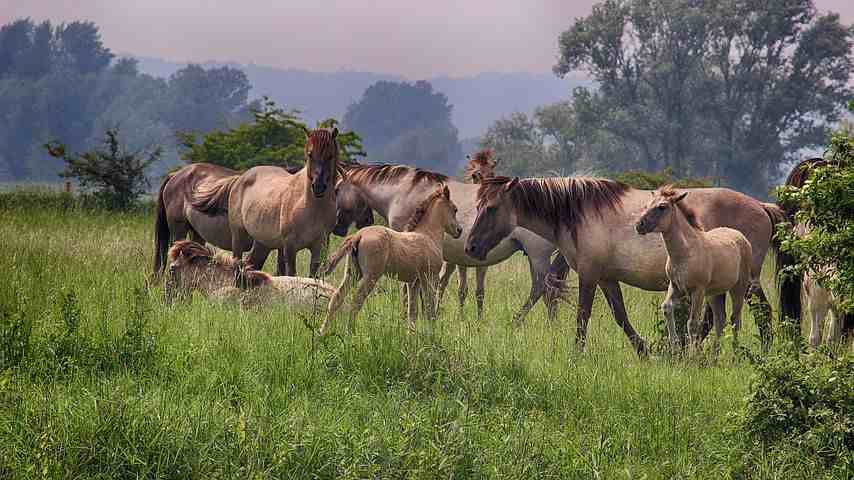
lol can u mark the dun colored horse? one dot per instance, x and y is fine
(796, 288)
(413, 256)
(194, 267)
(396, 191)
(699, 264)
(269, 208)
(592, 222)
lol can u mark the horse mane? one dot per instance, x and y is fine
(479, 159)
(669, 192)
(382, 173)
(421, 212)
(559, 200)
(213, 199)
(202, 253)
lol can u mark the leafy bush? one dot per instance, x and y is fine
(804, 402)
(118, 177)
(652, 180)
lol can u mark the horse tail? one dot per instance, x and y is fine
(161, 230)
(213, 199)
(788, 284)
(349, 248)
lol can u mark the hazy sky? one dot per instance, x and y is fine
(417, 39)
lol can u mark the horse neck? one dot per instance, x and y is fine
(681, 239)
(380, 196)
(537, 225)
(431, 225)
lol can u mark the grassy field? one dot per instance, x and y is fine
(116, 384)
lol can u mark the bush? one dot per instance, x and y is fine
(805, 402)
(652, 180)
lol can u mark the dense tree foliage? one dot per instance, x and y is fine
(274, 137)
(60, 82)
(406, 123)
(729, 89)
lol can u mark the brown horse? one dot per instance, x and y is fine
(700, 264)
(194, 267)
(413, 256)
(177, 217)
(592, 222)
(395, 192)
(795, 288)
(269, 208)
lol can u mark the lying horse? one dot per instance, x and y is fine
(194, 267)
(700, 264)
(413, 256)
(592, 222)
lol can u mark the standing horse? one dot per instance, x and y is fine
(269, 208)
(395, 192)
(591, 220)
(799, 288)
(413, 256)
(699, 264)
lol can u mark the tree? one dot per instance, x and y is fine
(117, 176)
(275, 137)
(406, 123)
(77, 45)
(518, 143)
(205, 100)
(730, 88)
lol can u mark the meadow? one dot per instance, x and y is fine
(112, 383)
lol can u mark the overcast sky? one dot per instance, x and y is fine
(417, 39)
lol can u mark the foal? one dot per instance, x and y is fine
(413, 256)
(699, 264)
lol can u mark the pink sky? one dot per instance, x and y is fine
(416, 39)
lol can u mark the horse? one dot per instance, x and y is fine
(268, 208)
(413, 256)
(177, 217)
(396, 191)
(798, 288)
(700, 264)
(591, 220)
(194, 267)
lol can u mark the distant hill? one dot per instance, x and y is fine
(478, 101)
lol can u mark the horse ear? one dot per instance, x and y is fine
(446, 192)
(468, 157)
(680, 197)
(495, 162)
(334, 132)
(511, 184)
(306, 131)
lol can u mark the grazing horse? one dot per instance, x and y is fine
(269, 208)
(700, 264)
(591, 220)
(413, 256)
(799, 288)
(396, 191)
(194, 267)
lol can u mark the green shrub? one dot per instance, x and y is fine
(652, 180)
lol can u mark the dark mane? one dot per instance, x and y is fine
(559, 201)
(190, 249)
(379, 173)
(669, 192)
(421, 211)
(479, 159)
(799, 175)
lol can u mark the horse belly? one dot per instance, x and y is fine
(639, 261)
(454, 252)
(214, 229)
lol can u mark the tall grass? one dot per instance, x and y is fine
(113, 383)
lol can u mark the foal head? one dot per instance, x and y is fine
(321, 159)
(659, 214)
(351, 206)
(437, 208)
(496, 216)
(481, 166)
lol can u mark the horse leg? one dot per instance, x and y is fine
(586, 292)
(697, 299)
(290, 262)
(480, 290)
(337, 300)
(412, 305)
(818, 305)
(738, 297)
(444, 278)
(281, 264)
(365, 288)
(463, 291)
(668, 310)
(428, 301)
(258, 255)
(317, 250)
(718, 305)
(614, 296)
(765, 325)
(539, 266)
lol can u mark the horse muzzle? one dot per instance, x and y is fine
(459, 232)
(340, 230)
(641, 228)
(474, 252)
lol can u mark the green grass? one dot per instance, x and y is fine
(246, 394)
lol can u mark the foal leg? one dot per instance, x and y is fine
(668, 310)
(614, 296)
(463, 291)
(444, 278)
(336, 301)
(737, 295)
(479, 292)
(365, 288)
(697, 298)
(428, 301)
(412, 305)
(718, 304)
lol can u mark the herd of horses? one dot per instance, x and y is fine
(707, 242)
